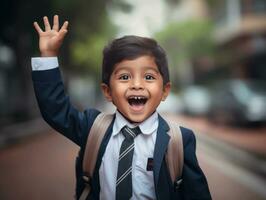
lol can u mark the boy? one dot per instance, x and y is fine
(135, 79)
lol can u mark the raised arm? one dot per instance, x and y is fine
(54, 104)
(51, 39)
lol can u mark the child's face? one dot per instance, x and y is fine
(136, 88)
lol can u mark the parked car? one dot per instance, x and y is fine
(196, 100)
(238, 102)
(171, 105)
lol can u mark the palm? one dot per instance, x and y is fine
(50, 40)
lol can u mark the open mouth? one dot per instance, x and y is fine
(137, 100)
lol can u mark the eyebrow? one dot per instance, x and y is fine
(153, 69)
(146, 69)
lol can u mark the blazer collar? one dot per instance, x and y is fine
(161, 145)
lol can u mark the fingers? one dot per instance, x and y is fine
(46, 24)
(63, 30)
(56, 23)
(37, 28)
(65, 25)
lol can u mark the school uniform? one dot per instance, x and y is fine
(152, 183)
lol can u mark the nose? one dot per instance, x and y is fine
(137, 84)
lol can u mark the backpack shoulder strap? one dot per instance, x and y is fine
(94, 140)
(175, 152)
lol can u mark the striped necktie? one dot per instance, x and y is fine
(124, 175)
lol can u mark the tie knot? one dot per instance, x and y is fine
(130, 133)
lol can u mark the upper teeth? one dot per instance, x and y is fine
(138, 98)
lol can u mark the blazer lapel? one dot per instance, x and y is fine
(161, 144)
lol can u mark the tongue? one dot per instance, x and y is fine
(137, 106)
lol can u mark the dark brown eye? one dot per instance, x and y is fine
(124, 77)
(149, 77)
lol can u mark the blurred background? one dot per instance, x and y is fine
(217, 58)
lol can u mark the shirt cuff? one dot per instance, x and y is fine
(44, 63)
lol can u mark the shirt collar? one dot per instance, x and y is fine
(147, 127)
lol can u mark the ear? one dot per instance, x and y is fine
(106, 91)
(166, 90)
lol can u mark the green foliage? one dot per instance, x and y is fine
(90, 30)
(187, 40)
(87, 45)
(87, 53)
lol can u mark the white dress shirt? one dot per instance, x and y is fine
(142, 180)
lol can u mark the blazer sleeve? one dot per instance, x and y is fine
(56, 108)
(194, 184)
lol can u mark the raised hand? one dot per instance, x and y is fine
(50, 40)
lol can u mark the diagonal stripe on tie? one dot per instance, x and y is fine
(131, 147)
(124, 175)
(131, 132)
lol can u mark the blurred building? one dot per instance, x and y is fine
(188, 10)
(17, 103)
(241, 33)
(15, 92)
(6, 66)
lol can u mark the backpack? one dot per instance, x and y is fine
(174, 155)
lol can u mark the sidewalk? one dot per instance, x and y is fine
(38, 169)
(14, 133)
(244, 147)
(250, 140)
(240, 148)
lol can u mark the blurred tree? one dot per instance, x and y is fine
(184, 42)
(16, 32)
(89, 29)
(86, 53)
(92, 31)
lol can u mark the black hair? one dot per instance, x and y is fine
(129, 48)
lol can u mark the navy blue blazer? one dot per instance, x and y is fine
(58, 112)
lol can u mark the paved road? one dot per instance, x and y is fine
(42, 168)
(228, 180)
